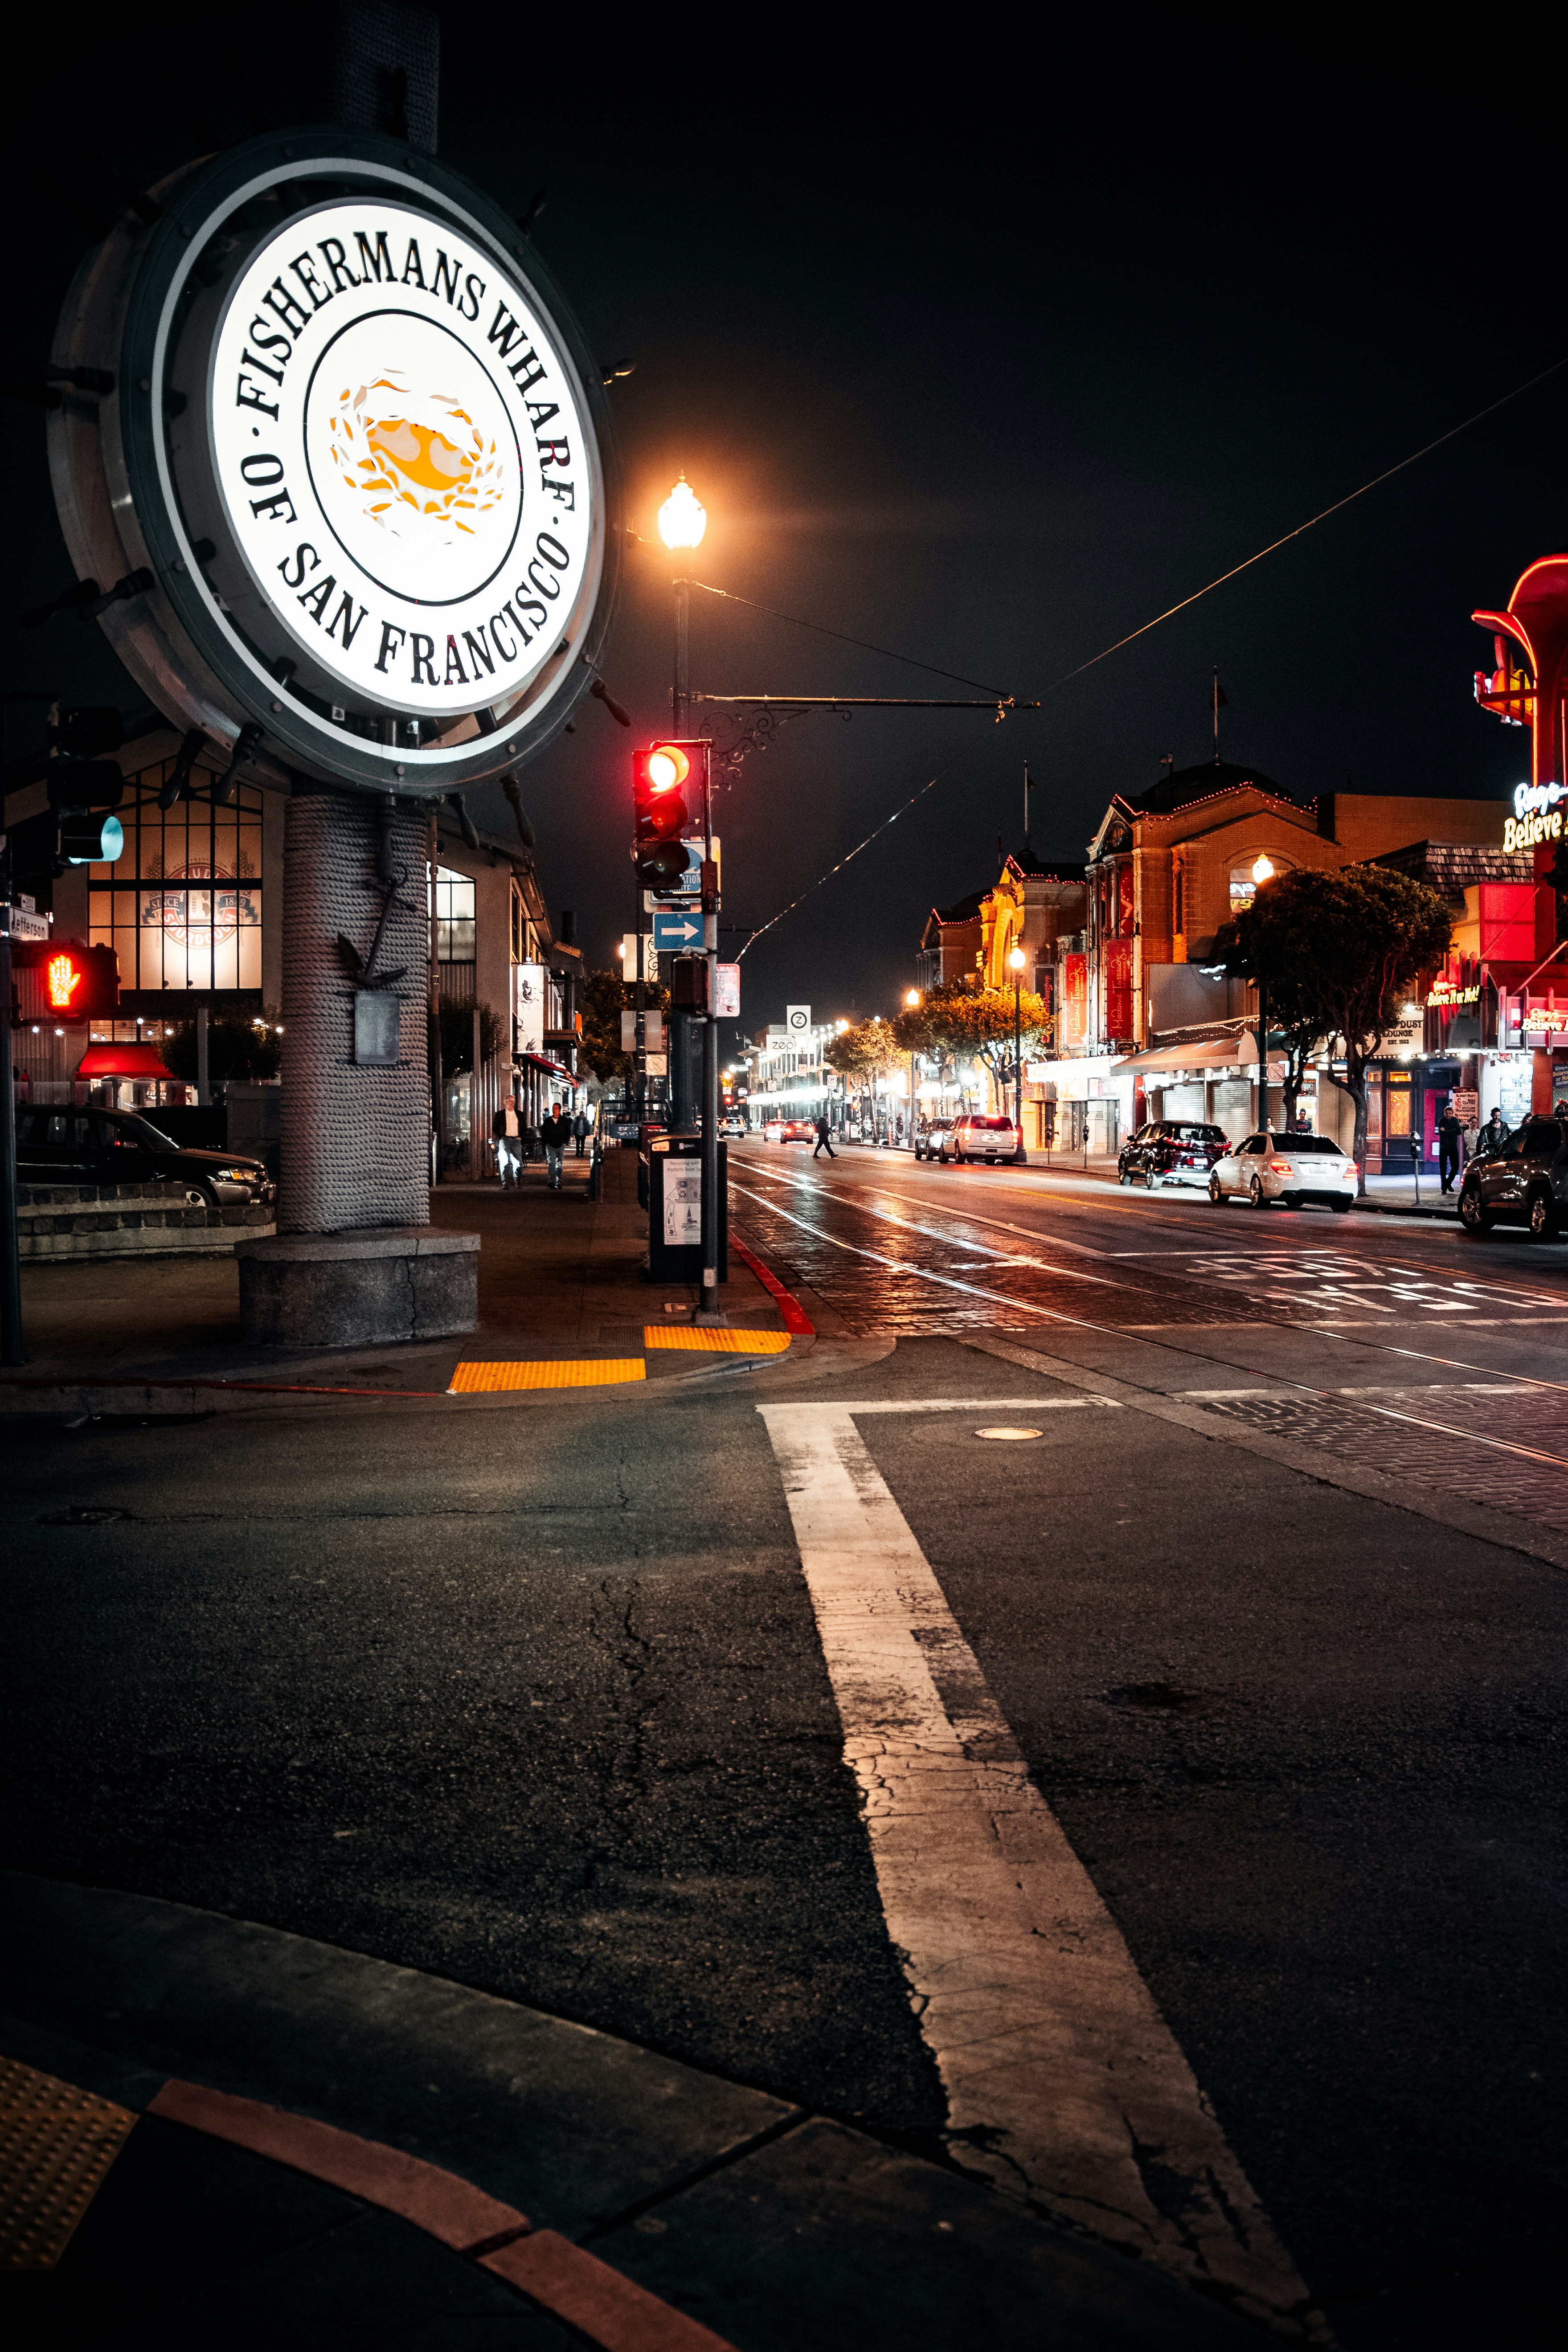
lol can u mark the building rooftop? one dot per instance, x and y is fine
(1188, 785)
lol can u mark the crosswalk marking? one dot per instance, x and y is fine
(1061, 2075)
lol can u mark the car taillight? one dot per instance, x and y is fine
(1279, 1168)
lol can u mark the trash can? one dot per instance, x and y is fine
(672, 1171)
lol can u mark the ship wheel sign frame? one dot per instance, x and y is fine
(349, 469)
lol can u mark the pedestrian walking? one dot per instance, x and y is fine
(1493, 1135)
(509, 1156)
(825, 1140)
(1472, 1140)
(1450, 1146)
(580, 1132)
(554, 1135)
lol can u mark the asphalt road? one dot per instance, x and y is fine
(553, 1700)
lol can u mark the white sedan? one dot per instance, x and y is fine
(1290, 1169)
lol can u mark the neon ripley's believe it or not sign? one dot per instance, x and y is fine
(355, 446)
(1537, 816)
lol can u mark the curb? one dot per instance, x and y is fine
(796, 1321)
(611, 2310)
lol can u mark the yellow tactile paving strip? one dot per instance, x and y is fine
(56, 2143)
(724, 1343)
(592, 1372)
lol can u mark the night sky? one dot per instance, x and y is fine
(988, 362)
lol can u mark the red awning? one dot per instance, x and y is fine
(123, 1062)
(556, 1069)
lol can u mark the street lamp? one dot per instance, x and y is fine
(1262, 868)
(683, 520)
(1262, 872)
(1016, 961)
(911, 1005)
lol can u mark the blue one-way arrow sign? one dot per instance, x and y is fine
(672, 934)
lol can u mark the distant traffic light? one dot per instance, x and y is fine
(83, 785)
(663, 776)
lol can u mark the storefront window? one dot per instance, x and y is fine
(181, 906)
(1398, 1108)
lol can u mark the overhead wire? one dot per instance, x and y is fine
(1132, 634)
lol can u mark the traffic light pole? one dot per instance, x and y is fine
(708, 1306)
(12, 1350)
(678, 1037)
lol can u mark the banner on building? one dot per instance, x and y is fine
(1074, 1002)
(528, 1003)
(726, 1003)
(1118, 956)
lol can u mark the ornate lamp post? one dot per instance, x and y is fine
(1015, 962)
(1262, 872)
(682, 521)
(911, 1005)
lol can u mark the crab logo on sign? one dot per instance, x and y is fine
(367, 499)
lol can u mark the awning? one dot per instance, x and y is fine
(1205, 1054)
(124, 1062)
(544, 1062)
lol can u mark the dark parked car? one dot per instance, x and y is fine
(117, 1147)
(1171, 1152)
(1524, 1181)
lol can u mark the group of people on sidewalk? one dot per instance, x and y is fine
(1459, 1144)
(518, 1141)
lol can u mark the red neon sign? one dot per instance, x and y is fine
(64, 978)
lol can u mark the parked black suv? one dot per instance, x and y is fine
(1171, 1152)
(1524, 1181)
(116, 1147)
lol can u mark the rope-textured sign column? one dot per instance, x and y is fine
(355, 1137)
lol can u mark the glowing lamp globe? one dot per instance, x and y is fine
(1017, 959)
(911, 997)
(683, 518)
(1263, 869)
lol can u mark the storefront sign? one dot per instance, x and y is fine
(1536, 816)
(1444, 993)
(1545, 1020)
(352, 454)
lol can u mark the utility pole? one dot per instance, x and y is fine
(10, 1348)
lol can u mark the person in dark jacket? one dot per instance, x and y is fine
(580, 1133)
(555, 1134)
(825, 1140)
(1450, 1146)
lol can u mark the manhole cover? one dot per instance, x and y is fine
(82, 1515)
(1007, 1432)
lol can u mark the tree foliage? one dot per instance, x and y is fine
(237, 1048)
(1337, 955)
(867, 1052)
(603, 997)
(973, 1025)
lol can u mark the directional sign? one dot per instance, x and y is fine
(676, 934)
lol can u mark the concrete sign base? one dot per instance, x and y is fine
(353, 1289)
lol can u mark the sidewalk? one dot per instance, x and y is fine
(560, 1282)
(219, 2133)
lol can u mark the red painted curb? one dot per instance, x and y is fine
(439, 2203)
(796, 1319)
(610, 2310)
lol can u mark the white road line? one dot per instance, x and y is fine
(902, 1265)
(1062, 2078)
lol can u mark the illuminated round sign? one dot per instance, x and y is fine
(351, 466)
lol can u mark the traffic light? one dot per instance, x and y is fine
(67, 980)
(83, 785)
(667, 789)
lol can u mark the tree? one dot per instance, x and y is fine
(604, 996)
(978, 1025)
(863, 1055)
(237, 1048)
(1337, 955)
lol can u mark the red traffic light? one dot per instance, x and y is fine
(662, 776)
(62, 981)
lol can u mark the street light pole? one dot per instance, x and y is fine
(912, 1003)
(1015, 958)
(682, 521)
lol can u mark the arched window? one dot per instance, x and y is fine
(1243, 880)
